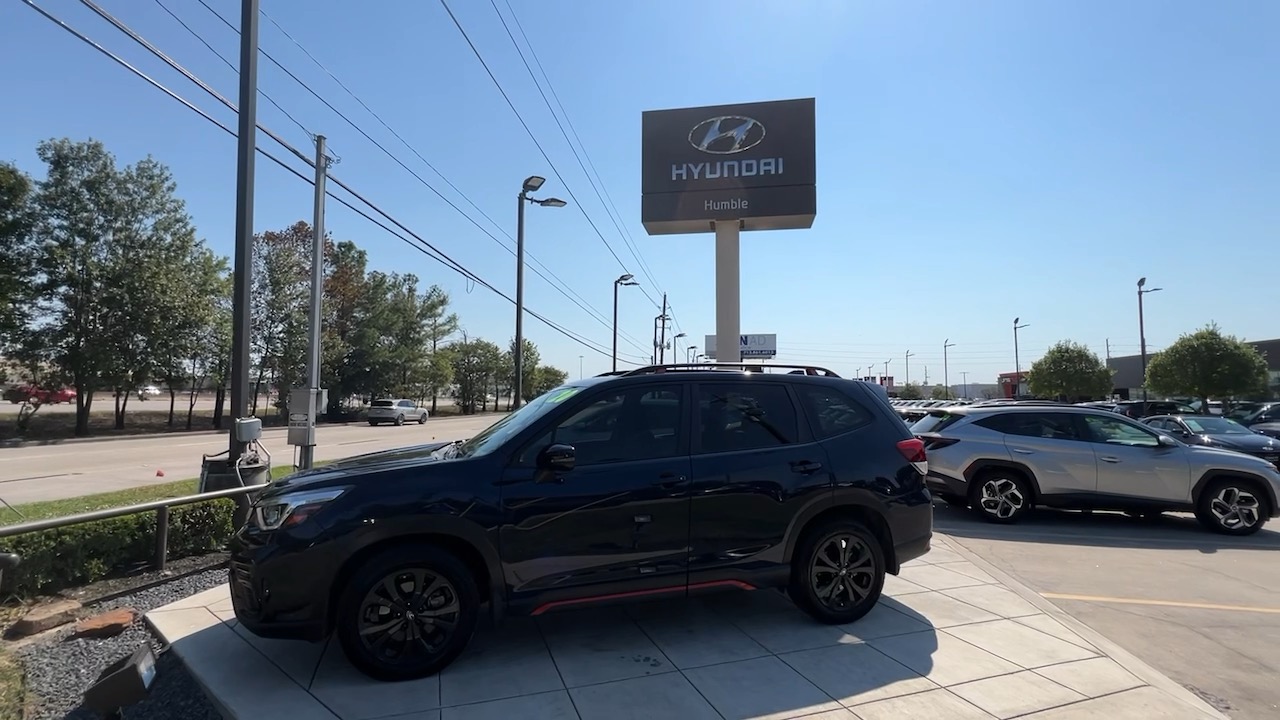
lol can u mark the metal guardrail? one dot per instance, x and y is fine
(159, 507)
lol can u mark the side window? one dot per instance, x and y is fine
(832, 412)
(1118, 432)
(745, 416)
(1160, 424)
(1050, 426)
(636, 424)
(406, 403)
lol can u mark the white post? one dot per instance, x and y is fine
(728, 292)
(306, 454)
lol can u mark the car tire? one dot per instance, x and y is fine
(373, 423)
(422, 419)
(399, 420)
(402, 637)
(1232, 507)
(837, 573)
(1000, 496)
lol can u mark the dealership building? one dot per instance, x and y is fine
(1127, 369)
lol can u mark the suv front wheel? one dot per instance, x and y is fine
(1232, 507)
(1000, 496)
(407, 613)
(838, 572)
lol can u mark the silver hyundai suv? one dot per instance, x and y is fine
(1004, 460)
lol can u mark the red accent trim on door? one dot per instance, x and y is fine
(737, 584)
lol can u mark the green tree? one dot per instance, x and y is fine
(1070, 371)
(343, 313)
(281, 281)
(529, 375)
(548, 378)
(474, 363)
(941, 393)
(18, 259)
(441, 325)
(1207, 364)
(911, 391)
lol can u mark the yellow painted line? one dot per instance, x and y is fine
(1161, 603)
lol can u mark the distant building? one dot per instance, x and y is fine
(1013, 384)
(1127, 369)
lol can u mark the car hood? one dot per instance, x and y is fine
(348, 469)
(1272, 429)
(1217, 456)
(1250, 443)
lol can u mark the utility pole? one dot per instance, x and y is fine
(246, 146)
(1108, 348)
(662, 338)
(926, 376)
(1142, 333)
(306, 452)
(579, 367)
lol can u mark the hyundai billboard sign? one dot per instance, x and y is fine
(750, 346)
(753, 162)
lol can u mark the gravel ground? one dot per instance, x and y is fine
(59, 669)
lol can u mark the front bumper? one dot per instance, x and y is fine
(278, 591)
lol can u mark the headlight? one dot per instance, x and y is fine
(292, 508)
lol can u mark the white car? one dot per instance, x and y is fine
(396, 412)
(148, 391)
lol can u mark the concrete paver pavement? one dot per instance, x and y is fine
(51, 472)
(982, 647)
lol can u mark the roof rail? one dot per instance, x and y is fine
(744, 367)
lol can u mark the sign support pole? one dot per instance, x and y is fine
(728, 291)
(306, 454)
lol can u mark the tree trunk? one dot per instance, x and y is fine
(83, 401)
(122, 402)
(220, 397)
(173, 402)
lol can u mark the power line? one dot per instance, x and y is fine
(558, 284)
(577, 203)
(424, 247)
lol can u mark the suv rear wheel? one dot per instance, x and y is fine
(399, 420)
(1000, 496)
(837, 572)
(407, 613)
(1232, 507)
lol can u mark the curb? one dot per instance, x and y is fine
(1124, 658)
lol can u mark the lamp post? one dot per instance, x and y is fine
(675, 346)
(531, 184)
(688, 354)
(1142, 333)
(946, 379)
(906, 372)
(622, 280)
(1017, 364)
(885, 378)
(579, 367)
(964, 377)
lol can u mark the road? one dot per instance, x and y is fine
(55, 471)
(1202, 608)
(103, 403)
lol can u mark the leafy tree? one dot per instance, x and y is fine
(548, 378)
(1070, 371)
(529, 375)
(281, 280)
(911, 391)
(441, 324)
(474, 364)
(1207, 364)
(942, 393)
(17, 261)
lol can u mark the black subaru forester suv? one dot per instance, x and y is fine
(660, 482)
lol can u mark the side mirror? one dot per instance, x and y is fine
(557, 459)
(1165, 441)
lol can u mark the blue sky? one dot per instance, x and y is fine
(976, 161)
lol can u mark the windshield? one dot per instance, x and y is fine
(496, 434)
(1216, 426)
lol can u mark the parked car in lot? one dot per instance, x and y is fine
(1138, 409)
(657, 482)
(1003, 461)
(1268, 412)
(1218, 432)
(396, 412)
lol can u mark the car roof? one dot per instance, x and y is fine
(1011, 408)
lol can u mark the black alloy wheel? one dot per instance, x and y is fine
(839, 572)
(407, 614)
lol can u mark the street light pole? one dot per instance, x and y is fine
(1142, 332)
(623, 280)
(964, 376)
(579, 367)
(906, 372)
(946, 379)
(885, 379)
(246, 147)
(531, 184)
(1017, 363)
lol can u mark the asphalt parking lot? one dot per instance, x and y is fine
(1202, 608)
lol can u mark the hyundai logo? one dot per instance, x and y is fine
(726, 135)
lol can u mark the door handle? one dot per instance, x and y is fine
(806, 467)
(668, 480)
(1109, 458)
(1024, 451)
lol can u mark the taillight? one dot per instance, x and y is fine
(912, 450)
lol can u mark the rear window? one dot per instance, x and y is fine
(383, 403)
(935, 422)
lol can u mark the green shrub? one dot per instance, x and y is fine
(67, 557)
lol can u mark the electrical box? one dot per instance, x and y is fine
(248, 429)
(305, 408)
